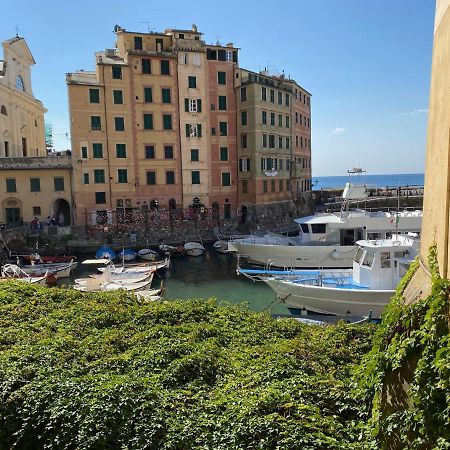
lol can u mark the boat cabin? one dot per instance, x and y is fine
(381, 264)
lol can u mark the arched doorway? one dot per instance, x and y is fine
(61, 210)
(244, 214)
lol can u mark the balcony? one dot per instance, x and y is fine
(58, 161)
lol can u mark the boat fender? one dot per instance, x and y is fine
(335, 254)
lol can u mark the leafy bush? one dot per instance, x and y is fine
(102, 371)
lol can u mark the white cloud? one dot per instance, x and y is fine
(414, 112)
(337, 130)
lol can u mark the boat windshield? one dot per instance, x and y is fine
(304, 228)
(385, 260)
(368, 259)
(317, 228)
(359, 255)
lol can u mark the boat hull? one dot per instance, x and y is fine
(325, 300)
(296, 256)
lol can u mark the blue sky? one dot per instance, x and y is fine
(366, 62)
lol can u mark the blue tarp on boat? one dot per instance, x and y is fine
(105, 252)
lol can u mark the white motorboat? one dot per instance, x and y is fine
(59, 270)
(326, 240)
(147, 254)
(14, 272)
(126, 278)
(106, 283)
(165, 248)
(156, 265)
(378, 267)
(194, 246)
(127, 255)
(221, 246)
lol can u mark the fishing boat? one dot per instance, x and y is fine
(59, 270)
(378, 267)
(127, 255)
(105, 252)
(147, 254)
(327, 240)
(14, 272)
(194, 246)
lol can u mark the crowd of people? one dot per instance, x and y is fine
(37, 225)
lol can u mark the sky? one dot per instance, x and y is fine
(366, 63)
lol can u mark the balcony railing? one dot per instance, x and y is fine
(61, 161)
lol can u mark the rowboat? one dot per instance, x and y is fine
(147, 254)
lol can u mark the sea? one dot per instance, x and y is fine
(371, 181)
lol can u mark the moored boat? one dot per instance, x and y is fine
(127, 255)
(378, 267)
(221, 246)
(147, 254)
(194, 246)
(105, 252)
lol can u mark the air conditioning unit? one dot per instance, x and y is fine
(128, 202)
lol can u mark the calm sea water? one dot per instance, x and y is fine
(371, 181)
(212, 275)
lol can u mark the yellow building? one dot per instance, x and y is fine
(32, 184)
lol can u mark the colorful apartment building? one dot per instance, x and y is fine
(32, 183)
(162, 119)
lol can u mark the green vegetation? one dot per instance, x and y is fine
(101, 371)
(407, 373)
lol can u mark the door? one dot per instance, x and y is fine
(227, 211)
(12, 216)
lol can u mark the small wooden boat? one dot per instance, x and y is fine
(194, 247)
(106, 252)
(147, 254)
(59, 270)
(105, 285)
(14, 272)
(156, 265)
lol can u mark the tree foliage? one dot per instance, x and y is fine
(102, 371)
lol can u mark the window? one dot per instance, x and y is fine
(287, 99)
(272, 185)
(94, 96)
(288, 143)
(319, 228)
(296, 141)
(296, 117)
(194, 154)
(96, 123)
(272, 119)
(244, 165)
(301, 141)
(223, 128)
(193, 105)
(193, 130)
(167, 121)
(84, 152)
(192, 82)
(122, 176)
(280, 163)
(195, 177)
(159, 45)
(213, 131)
(263, 94)
(226, 179)
(165, 94)
(263, 163)
(244, 118)
(288, 185)
(151, 178)
(35, 184)
(148, 95)
(271, 141)
(116, 72)
(243, 94)
(36, 210)
(137, 43)
(196, 60)
(168, 151)
(118, 97)
(146, 66)
(11, 185)
(121, 151)
(280, 120)
(149, 152)
(58, 184)
(6, 149)
(264, 140)
(221, 78)
(244, 186)
(97, 150)
(309, 123)
(288, 164)
(19, 83)
(99, 176)
(165, 67)
(288, 121)
(264, 186)
(170, 177)
(85, 178)
(280, 142)
(100, 198)
(3, 110)
(272, 96)
(264, 117)
(269, 163)
(119, 123)
(243, 141)
(280, 98)
(280, 185)
(148, 121)
(222, 102)
(224, 153)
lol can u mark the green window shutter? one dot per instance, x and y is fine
(148, 95)
(188, 130)
(199, 105)
(121, 151)
(94, 96)
(85, 178)
(58, 183)
(97, 150)
(186, 105)
(199, 130)
(148, 121)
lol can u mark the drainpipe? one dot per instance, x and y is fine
(107, 140)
